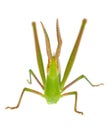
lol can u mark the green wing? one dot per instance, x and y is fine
(73, 53)
(38, 54)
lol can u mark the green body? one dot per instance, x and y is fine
(52, 85)
(52, 90)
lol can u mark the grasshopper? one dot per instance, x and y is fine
(52, 85)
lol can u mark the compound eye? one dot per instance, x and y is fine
(48, 65)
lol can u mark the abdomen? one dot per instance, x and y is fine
(52, 89)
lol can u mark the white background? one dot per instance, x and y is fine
(17, 56)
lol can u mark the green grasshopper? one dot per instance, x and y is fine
(53, 86)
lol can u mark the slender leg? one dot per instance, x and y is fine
(28, 90)
(75, 104)
(81, 77)
(31, 73)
